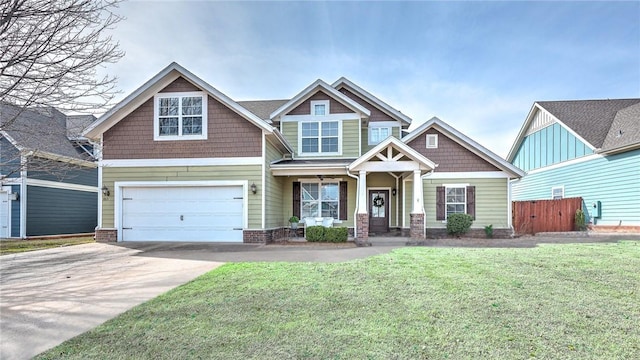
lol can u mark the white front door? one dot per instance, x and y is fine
(183, 213)
(5, 227)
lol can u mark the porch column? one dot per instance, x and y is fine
(362, 216)
(417, 213)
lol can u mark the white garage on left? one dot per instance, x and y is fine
(181, 211)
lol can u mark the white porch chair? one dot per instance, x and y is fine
(308, 221)
(327, 222)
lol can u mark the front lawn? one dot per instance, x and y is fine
(18, 246)
(553, 302)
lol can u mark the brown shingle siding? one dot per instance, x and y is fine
(376, 115)
(335, 107)
(229, 135)
(450, 156)
(180, 85)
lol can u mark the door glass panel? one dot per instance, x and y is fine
(378, 204)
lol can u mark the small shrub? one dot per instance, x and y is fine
(315, 233)
(488, 230)
(580, 220)
(336, 234)
(459, 224)
(294, 219)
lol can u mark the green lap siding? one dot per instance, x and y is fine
(250, 173)
(350, 136)
(491, 202)
(287, 197)
(613, 180)
(274, 187)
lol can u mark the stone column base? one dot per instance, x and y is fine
(417, 226)
(362, 229)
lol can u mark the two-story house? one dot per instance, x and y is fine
(181, 161)
(583, 148)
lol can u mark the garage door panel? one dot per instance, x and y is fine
(182, 213)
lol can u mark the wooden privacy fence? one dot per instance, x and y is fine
(534, 216)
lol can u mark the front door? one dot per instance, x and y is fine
(378, 211)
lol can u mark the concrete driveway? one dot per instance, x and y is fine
(49, 296)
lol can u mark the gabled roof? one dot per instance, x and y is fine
(381, 105)
(625, 131)
(262, 108)
(41, 131)
(402, 147)
(312, 89)
(465, 141)
(591, 120)
(157, 83)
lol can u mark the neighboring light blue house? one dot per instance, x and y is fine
(583, 148)
(48, 177)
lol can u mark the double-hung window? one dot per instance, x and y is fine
(320, 200)
(377, 134)
(456, 200)
(180, 116)
(320, 137)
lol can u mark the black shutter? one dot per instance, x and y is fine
(440, 203)
(343, 200)
(296, 199)
(471, 201)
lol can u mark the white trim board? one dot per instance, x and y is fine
(466, 175)
(182, 162)
(61, 185)
(566, 163)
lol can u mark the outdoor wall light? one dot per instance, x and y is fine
(254, 188)
(393, 192)
(105, 191)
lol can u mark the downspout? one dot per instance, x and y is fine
(355, 222)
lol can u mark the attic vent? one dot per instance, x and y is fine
(432, 141)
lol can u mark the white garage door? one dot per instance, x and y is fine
(182, 213)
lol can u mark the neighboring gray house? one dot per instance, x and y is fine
(48, 176)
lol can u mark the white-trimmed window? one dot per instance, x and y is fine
(557, 192)
(377, 134)
(320, 200)
(432, 141)
(320, 107)
(180, 116)
(319, 137)
(456, 200)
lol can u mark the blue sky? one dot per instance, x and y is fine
(479, 66)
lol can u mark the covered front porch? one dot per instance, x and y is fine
(395, 159)
(378, 194)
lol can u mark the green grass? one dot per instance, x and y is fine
(18, 246)
(552, 302)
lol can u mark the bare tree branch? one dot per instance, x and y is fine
(50, 51)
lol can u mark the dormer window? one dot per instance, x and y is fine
(320, 107)
(180, 116)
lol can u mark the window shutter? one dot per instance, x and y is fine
(296, 199)
(440, 204)
(471, 201)
(343, 200)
